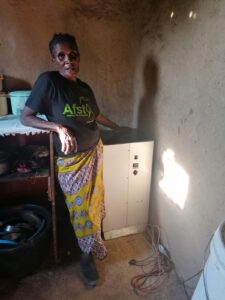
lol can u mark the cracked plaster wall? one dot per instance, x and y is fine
(186, 113)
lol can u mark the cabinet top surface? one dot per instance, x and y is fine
(11, 125)
(129, 135)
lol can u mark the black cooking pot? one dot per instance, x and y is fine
(25, 234)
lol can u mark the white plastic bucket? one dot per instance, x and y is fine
(211, 285)
(3, 104)
(17, 100)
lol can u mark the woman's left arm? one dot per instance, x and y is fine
(103, 120)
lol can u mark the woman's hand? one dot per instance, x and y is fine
(67, 139)
(103, 120)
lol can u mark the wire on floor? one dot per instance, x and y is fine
(159, 265)
(202, 271)
(185, 286)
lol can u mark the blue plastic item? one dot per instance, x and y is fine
(8, 242)
(17, 100)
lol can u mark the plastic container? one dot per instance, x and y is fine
(3, 104)
(17, 100)
(211, 284)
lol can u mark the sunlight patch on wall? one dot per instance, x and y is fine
(175, 181)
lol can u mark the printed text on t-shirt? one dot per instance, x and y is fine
(82, 109)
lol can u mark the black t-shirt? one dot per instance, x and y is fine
(70, 103)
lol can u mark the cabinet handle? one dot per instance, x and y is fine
(135, 172)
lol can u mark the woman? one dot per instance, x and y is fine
(72, 112)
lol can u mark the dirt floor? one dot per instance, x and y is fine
(64, 282)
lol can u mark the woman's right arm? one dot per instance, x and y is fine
(68, 141)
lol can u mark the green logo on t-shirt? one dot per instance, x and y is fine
(82, 109)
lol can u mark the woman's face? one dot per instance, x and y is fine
(67, 60)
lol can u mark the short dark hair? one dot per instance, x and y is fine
(59, 38)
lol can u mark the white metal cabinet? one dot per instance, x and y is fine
(127, 178)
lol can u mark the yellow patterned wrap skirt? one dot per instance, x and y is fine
(81, 180)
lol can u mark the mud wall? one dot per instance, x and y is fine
(181, 102)
(157, 65)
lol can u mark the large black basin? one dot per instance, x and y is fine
(25, 234)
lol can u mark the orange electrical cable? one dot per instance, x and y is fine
(159, 265)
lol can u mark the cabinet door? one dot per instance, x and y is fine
(139, 183)
(115, 172)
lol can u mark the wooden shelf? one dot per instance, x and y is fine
(16, 176)
(13, 134)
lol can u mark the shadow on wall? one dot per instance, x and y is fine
(13, 84)
(147, 123)
(147, 115)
